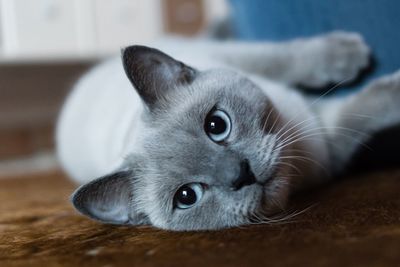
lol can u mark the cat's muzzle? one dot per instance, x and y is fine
(246, 176)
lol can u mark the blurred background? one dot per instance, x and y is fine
(45, 45)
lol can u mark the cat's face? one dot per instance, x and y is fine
(209, 156)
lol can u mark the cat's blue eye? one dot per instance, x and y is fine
(188, 195)
(217, 125)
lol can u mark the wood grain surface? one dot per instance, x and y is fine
(353, 222)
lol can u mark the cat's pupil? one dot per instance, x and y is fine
(187, 196)
(216, 125)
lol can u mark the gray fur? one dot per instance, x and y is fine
(174, 149)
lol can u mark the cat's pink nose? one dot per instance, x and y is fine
(246, 176)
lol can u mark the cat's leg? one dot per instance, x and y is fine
(351, 123)
(312, 62)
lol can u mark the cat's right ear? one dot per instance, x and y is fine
(153, 73)
(109, 199)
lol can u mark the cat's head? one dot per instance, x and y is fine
(208, 158)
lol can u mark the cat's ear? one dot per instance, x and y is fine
(109, 199)
(153, 73)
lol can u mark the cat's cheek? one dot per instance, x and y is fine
(276, 196)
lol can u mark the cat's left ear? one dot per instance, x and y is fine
(153, 73)
(109, 199)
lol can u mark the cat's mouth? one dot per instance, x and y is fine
(247, 177)
(253, 180)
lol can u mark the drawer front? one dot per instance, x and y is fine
(40, 27)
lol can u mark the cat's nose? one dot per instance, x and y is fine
(246, 176)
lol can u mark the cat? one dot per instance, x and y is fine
(221, 140)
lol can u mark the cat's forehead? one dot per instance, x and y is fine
(212, 88)
(180, 119)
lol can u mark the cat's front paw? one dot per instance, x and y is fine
(386, 87)
(337, 57)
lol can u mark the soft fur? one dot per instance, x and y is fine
(145, 144)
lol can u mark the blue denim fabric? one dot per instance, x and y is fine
(377, 20)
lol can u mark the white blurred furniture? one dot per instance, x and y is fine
(70, 29)
(59, 30)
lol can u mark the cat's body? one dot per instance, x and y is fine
(157, 140)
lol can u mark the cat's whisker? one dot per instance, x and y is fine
(322, 128)
(282, 218)
(302, 151)
(266, 120)
(356, 115)
(301, 138)
(288, 165)
(317, 117)
(280, 135)
(293, 135)
(302, 158)
(294, 126)
(295, 213)
(278, 117)
(343, 81)
(313, 103)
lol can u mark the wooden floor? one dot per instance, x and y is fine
(354, 222)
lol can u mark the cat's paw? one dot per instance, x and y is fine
(379, 102)
(387, 82)
(337, 57)
(387, 87)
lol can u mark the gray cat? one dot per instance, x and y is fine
(222, 142)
